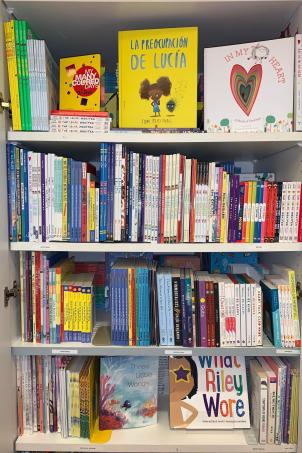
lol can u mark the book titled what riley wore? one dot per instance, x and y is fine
(158, 78)
(208, 392)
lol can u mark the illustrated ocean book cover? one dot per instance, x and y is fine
(249, 87)
(158, 78)
(80, 87)
(128, 392)
(208, 392)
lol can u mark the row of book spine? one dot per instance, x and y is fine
(33, 77)
(274, 390)
(57, 394)
(172, 198)
(58, 298)
(164, 199)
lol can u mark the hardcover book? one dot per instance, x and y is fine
(158, 77)
(208, 392)
(80, 87)
(128, 392)
(249, 87)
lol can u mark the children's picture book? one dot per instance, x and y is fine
(249, 87)
(158, 78)
(128, 392)
(208, 392)
(80, 87)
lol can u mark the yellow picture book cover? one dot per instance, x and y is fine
(80, 86)
(158, 78)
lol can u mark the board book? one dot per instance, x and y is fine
(208, 392)
(80, 87)
(157, 78)
(249, 87)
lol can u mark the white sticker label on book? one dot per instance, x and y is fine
(178, 351)
(64, 351)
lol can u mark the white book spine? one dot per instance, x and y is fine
(248, 296)
(298, 83)
(297, 211)
(52, 191)
(167, 199)
(221, 289)
(30, 195)
(233, 314)
(88, 205)
(60, 198)
(242, 314)
(176, 195)
(156, 197)
(154, 209)
(171, 223)
(237, 314)
(259, 315)
(283, 212)
(186, 200)
(228, 295)
(136, 205)
(254, 314)
(263, 413)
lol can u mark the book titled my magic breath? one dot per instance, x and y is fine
(208, 392)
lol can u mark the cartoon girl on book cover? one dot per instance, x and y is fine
(183, 385)
(155, 91)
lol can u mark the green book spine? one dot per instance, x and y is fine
(23, 38)
(20, 72)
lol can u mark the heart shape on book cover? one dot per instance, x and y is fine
(245, 86)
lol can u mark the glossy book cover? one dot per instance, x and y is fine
(208, 392)
(158, 78)
(128, 392)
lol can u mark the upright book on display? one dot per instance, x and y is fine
(249, 87)
(208, 392)
(158, 77)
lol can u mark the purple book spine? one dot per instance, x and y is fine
(43, 197)
(160, 198)
(202, 314)
(142, 225)
(236, 208)
(285, 435)
(231, 209)
(183, 310)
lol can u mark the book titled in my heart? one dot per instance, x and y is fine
(249, 87)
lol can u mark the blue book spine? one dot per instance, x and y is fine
(13, 192)
(236, 208)
(72, 208)
(139, 301)
(188, 301)
(26, 217)
(69, 207)
(240, 214)
(161, 309)
(183, 309)
(112, 190)
(113, 303)
(9, 195)
(270, 296)
(22, 194)
(146, 308)
(169, 308)
(43, 200)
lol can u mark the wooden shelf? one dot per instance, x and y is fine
(238, 146)
(157, 438)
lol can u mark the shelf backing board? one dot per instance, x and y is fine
(95, 19)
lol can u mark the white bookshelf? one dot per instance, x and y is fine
(101, 247)
(157, 438)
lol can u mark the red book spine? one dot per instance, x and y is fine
(300, 220)
(62, 314)
(162, 212)
(274, 211)
(133, 307)
(192, 200)
(28, 296)
(38, 296)
(180, 204)
(245, 203)
(79, 113)
(84, 203)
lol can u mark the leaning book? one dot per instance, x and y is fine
(128, 392)
(158, 78)
(208, 392)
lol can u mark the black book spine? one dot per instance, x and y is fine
(127, 196)
(197, 313)
(217, 317)
(177, 311)
(278, 211)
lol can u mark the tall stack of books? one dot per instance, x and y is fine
(137, 197)
(32, 75)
